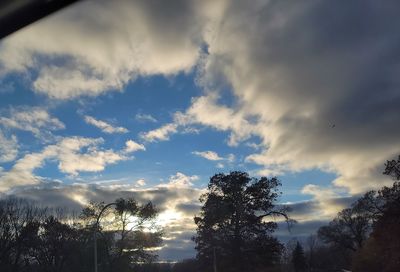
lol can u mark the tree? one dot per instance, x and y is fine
(348, 230)
(311, 246)
(189, 265)
(369, 228)
(18, 219)
(299, 259)
(232, 230)
(54, 245)
(128, 234)
(382, 250)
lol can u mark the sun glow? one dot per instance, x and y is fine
(168, 216)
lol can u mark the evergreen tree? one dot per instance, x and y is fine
(299, 259)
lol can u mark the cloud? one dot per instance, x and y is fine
(105, 45)
(71, 161)
(327, 202)
(180, 180)
(299, 231)
(33, 119)
(22, 171)
(140, 117)
(74, 155)
(306, 78)
(299, 69)
(213, 156)
(230, 158)
(209, 155)
(160, 134)
(206, 111)
(105, 127)
(8, 148)
(132, 146)
(312, 102)
(140, 183)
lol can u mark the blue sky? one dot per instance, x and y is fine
(104, 100)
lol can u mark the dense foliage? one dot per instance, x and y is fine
(232, 231)
(40, 239)
(370, 228)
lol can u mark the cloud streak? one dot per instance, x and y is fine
(104, 126)
(160, 134)
(8, 148)
(140, 117)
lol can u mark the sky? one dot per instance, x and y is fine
(109, 99)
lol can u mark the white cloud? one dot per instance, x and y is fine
(74, 155)
(71, 161)
(209, 155)
(8, 148)
(35, 120)
(106, 44)
(145, 118)
(213, 156)
(160, 134)
(104, 126)
(254, 146)
(180, 180)
(140, 183)
(206, 111)
(326, 201)
(22, 171)
(132, 146)
(230, 158)
(220, 165)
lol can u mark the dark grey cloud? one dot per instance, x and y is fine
(323, 78)
(306, 209)
(299, 230)
(189, 208)
(55, 194)
(180, 248)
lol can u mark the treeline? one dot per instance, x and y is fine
(368, 233)
(362, 238)
(234, 233)
(34, 238)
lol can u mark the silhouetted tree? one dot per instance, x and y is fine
(232, 228)
(299, 259)
(54, 245)
(382, 250)
(369, 228)
(348, 230)
(127, 236)
(392, 168)
(312, 245)
(190, 265)
(18, 221)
